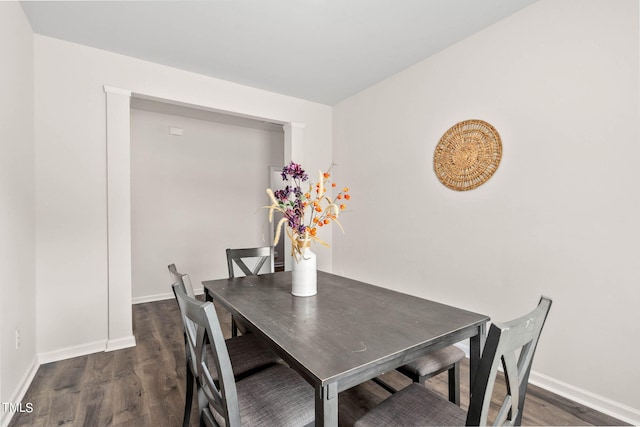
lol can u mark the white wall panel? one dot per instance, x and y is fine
(17, 204)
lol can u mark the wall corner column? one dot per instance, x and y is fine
(120, 319)
(293, 142)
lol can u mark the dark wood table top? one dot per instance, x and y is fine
(350, 331)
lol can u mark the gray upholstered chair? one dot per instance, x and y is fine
(434, 363)
(275, 396)
(511, 344)
(262, 256)
(247, 353)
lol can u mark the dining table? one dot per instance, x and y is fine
(349, 332)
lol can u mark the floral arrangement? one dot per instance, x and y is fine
(305, 211)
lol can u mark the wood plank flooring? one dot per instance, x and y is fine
(145, 385)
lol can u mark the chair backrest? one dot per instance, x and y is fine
(190, 330)
(262, 255)
(504, 342)
(219, 393)
(180, 277)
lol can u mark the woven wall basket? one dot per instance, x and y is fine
(467, 155)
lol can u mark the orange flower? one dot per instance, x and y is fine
(345, 189)
(339, 196)
(318, 208)
(326, 174)
(343, 206)
(326, 221)
(333, 184)
(313, 231)
(347, 196)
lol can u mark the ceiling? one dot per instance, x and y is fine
(318, 50)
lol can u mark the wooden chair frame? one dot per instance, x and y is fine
(264, 254)
(503, 341)
(220, 393)
(180, 277)
(191, 368)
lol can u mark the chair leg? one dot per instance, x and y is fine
(234, 327)
(188, 398)
(454, 383)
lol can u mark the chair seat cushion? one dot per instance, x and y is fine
(276, 396)
(435, 361)
(414, 405)
(248, 353)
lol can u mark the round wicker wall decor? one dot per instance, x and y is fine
(467, 155)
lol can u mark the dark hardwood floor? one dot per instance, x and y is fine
(145, 386)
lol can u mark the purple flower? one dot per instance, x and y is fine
(282, 195)
(295, 216)
(294, 171)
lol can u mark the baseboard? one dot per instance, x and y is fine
(25, 382)
(160, 297)
(121, 343)
(69, 352)
(152, 298)
(587, 398)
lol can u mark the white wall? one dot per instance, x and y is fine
(71, 223)
(559, 81)
(195, 195)
(17, 227)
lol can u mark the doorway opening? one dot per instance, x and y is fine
(120, 331)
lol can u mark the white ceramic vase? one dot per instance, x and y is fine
(305, 273)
